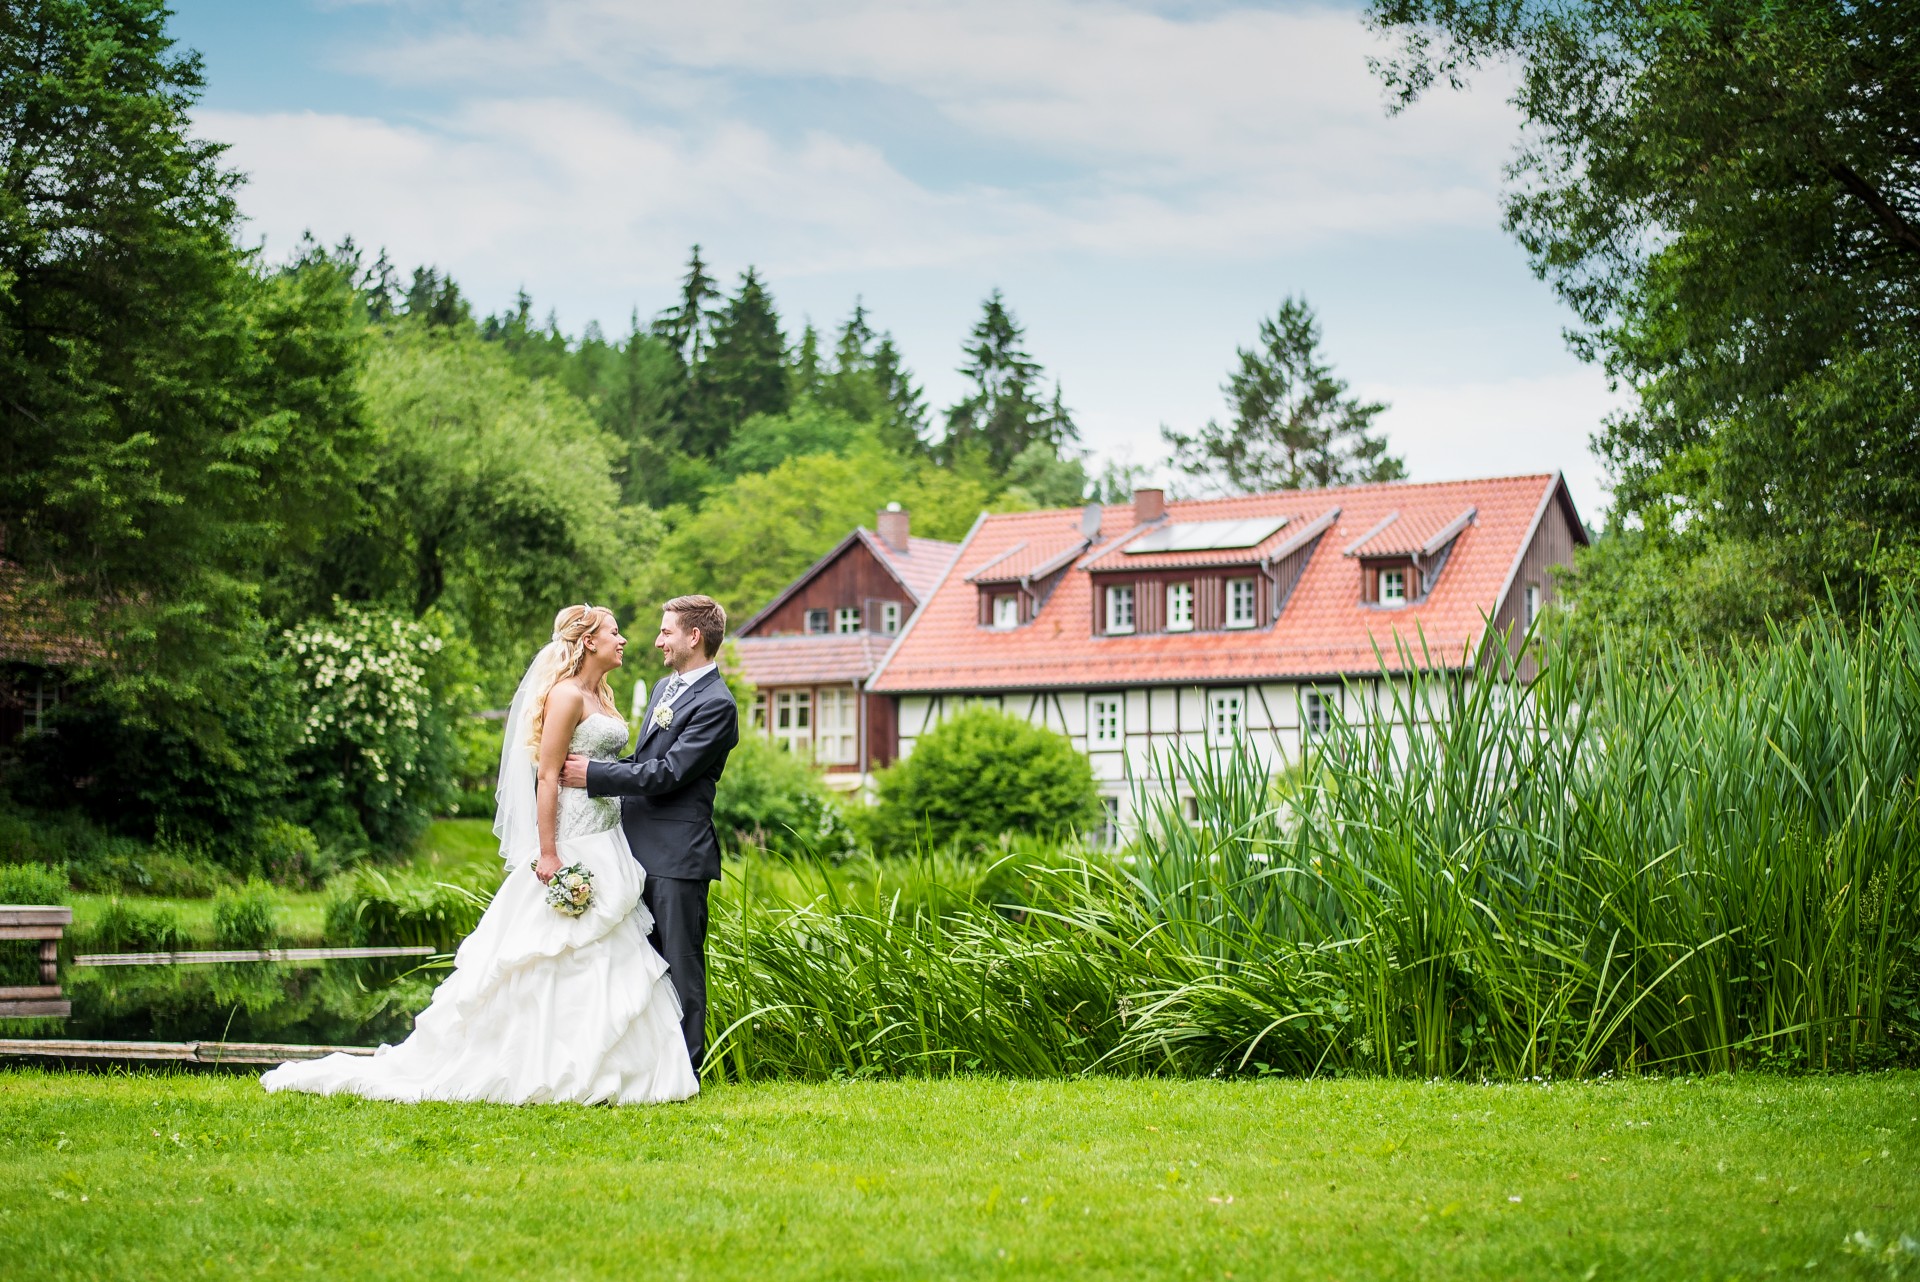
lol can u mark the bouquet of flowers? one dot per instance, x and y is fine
(571, 890)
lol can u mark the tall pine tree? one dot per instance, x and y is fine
(1294, 425)
(1004, 415)
(744, 372)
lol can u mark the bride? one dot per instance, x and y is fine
(543, 1007)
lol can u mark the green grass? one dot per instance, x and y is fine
(173, 1176)
(457, 848)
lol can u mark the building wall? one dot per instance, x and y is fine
(1155, 719)
(1552, 545)
(856, 578)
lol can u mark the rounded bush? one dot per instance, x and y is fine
(982, 773)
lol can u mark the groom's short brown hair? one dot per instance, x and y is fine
(704, 613)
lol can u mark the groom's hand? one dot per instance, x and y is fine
(574, 773)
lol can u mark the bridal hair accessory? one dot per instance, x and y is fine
(570, 893)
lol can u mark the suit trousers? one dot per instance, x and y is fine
(679, 909)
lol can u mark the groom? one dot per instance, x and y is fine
(666, 797)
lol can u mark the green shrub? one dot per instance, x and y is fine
(982, 773)
(32, 884)
(131, 927)
(776, 800)
(290, 855)
(245, 918)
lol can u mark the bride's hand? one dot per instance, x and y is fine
(549, 864)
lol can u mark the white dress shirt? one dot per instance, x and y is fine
(686, 681)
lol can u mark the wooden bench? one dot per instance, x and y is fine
(46, 924)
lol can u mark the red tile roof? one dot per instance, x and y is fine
(809, 660)
(1324, 630)
(918, 568)
(1029, 557)
(1309, 508)
(1409, 531)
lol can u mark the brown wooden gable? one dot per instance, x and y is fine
(850, 576)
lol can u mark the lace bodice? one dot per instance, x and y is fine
(602, 737)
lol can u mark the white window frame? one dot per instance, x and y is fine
(792, 726)
(822, 617)
(1226, 716)
(1399, 597)
(889, 617)
(1532, 603)
(1120, 610)
(846, 620)
(1006, 611)
(1107, 719)
(836, 734)
(1179, 607)
(1241, 591)
(1312, 726)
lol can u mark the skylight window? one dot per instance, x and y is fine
(1208, 536)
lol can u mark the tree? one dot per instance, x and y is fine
(171, 415)
(869, 382)
(980, 773)
(1294, 425)
(1727, 194)
(744, 372)
(684, 327)
(1003, 415)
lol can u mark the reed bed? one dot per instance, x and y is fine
(1640, 863)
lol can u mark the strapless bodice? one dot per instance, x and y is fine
(600, 737)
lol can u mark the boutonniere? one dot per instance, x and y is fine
(663, 717)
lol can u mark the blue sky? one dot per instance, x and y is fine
(1144, 181)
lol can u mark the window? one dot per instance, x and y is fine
(1179, 607)
(1393, 587)
(889, 617)
(1225, 719)
(1240, 603)
(1109, 719)
(816, 621)
(1533, 604)
(846, 619)
(1006, 611)
(759, 712)
(1119, 610)
(1107, 836)
(1316, 714)
(793, 719)
(836, 739)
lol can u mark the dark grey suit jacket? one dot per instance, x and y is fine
(666, 787)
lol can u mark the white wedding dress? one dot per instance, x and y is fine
(541, 1007)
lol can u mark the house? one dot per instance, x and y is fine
(810, 652)
(37, 651)
(1130, 629)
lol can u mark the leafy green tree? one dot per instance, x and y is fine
(1004, 414)
(765, 441)
(981, 773)
(755, 534)
(1039, 477)
(434, 300)
(1727, 193)
(1294, 425)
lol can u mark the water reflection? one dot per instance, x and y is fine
(357, 1002)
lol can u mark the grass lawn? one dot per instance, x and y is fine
(172, 1176)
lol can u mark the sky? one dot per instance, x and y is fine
(1144, 181)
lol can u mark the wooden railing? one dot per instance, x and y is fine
(45, 924)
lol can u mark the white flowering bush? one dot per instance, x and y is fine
(376, 748)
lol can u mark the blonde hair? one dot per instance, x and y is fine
(565, 657)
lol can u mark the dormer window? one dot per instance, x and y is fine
(1006, 611)
(1119, 610)
(817, 622)
(1393, 587)
(1240, 603)
(846, 619)
(889, 617)
(1179, 607)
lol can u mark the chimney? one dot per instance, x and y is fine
(1149, 506)
(893, 524)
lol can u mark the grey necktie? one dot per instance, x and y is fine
(669, 688)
